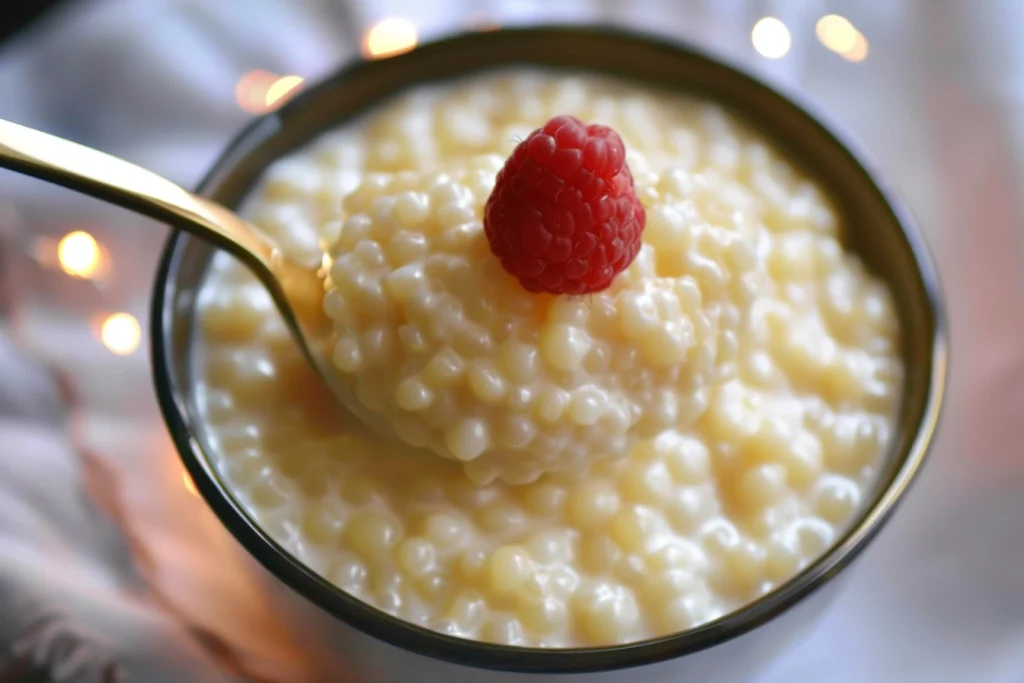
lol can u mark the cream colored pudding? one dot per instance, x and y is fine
(614, 467)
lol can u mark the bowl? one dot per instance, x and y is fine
(358, 636)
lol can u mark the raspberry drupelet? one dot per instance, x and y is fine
(564, 217)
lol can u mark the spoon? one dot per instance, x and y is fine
(297, 290)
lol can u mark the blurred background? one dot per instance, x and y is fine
(127, 571)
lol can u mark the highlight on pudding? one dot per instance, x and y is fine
(623, 376)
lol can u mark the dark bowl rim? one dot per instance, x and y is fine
(395, 631)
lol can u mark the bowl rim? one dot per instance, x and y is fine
(382, 626)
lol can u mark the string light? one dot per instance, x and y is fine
(120, 332)
(771, 38)
(839, 35)
(79, 255)
(390, 37)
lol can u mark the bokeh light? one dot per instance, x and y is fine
(79, 255)
(120, 332)
(390, 37)
(839, 35)
(771, 38)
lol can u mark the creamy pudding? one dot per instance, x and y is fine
(556, 471)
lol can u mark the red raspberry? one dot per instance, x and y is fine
(564, 217)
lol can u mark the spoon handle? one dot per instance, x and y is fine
(119, 182)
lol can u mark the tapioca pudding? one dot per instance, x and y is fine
(556, 470)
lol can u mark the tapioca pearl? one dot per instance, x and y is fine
(792, 257)
(564, 346)
(470, 565)
(541, 615)
(372, 535)
(518, 361)
(814, 536)
(229, 319)
(472, 341)
(239, 438)
(413, 340)
(291, 180)
(467, 438)
(606, 613)
(649, 483)
(587, 405)
(515, 431)
(468, 495)
(486, 381)
(219, 405)
(802, 459)
(666, 585)
(266, 491)
(413, 394)
(732, 415)
(686, 458)
(291, 228)
(444, 369)
(350, 574)
(404, 283)
(630, 570)
(347, 355)
(508, 569)
(482, 471)
(467, 611)
(520, 400)
(598, 553)
(679, 553)
(506, 519)
(406, 247)
(806, 352)
(782, 557)
(761, 485)
(242, 468)
(545, 498)
(555, 546)
(551, 405)
(378, 345)
(759, 369)
(360, 489)
(417, 557)
(691, 507)
(668, 343)
(636, 527)
(719, 536)
(744, 568)
(845, 380)
(447, 531)
(592, 503)
(503, 629)
(637, 314)
(836, 498)
(411, 209)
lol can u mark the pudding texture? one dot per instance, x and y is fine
(542, 470)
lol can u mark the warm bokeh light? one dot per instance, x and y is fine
(770, 38)
(251, 90)
(120, 332)
(190, 485)
(79, 254)
(389, 37)
(859, 51)
(842, 37)
(281, 90)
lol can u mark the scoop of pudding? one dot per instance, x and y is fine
(449, 351)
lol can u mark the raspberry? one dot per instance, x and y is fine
(564, 217)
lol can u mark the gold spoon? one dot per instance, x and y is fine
(297, 290)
